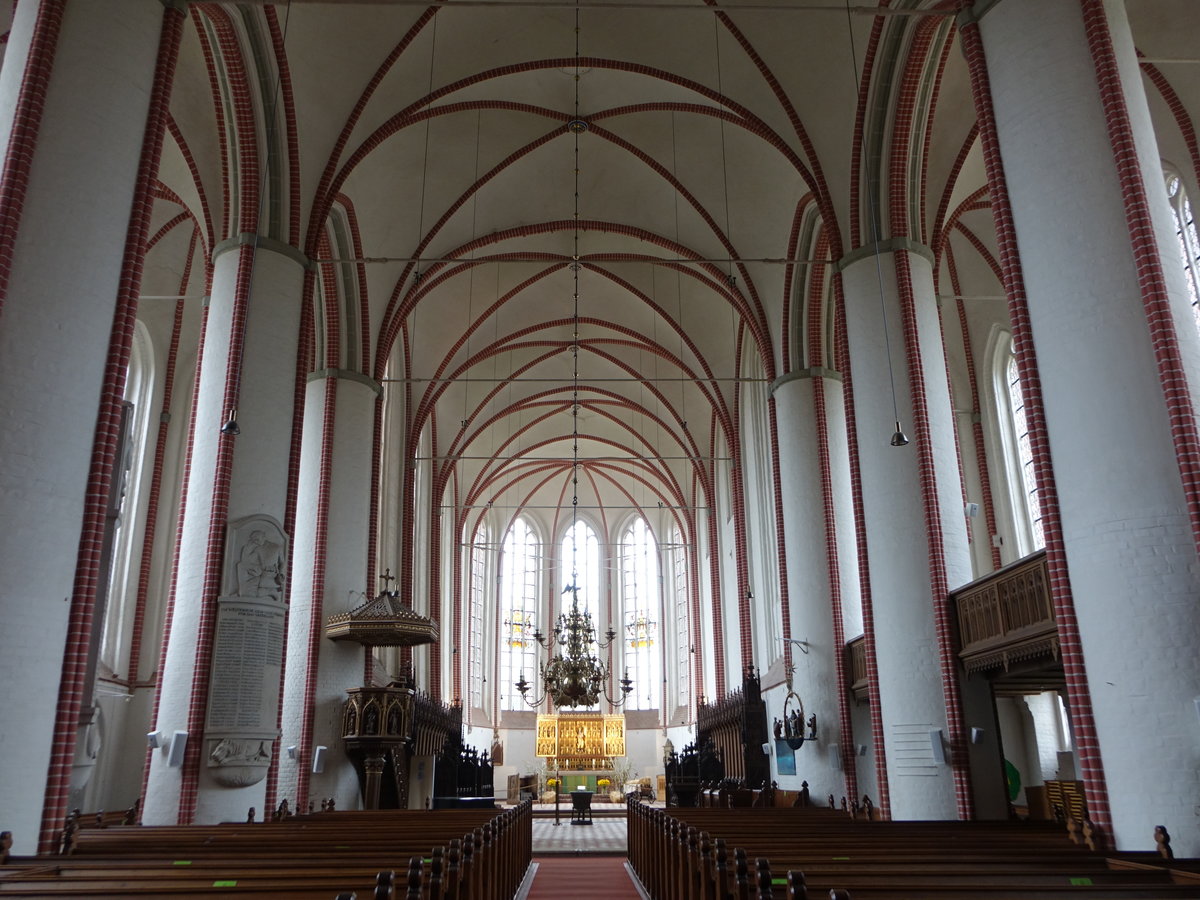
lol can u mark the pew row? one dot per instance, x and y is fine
(771, 853)
(408, 855)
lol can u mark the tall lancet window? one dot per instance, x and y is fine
(126, 514)
(641, 606)
(480, 551)
(579, 554)
(1189, 240)
(520, 571)
(1027, 508)
(581, 557)
(678, 592)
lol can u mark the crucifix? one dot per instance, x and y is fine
(387, 577)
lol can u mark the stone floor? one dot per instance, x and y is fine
(605, 835)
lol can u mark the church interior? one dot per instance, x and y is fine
(599, 388)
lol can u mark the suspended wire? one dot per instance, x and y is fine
(721, 122)
(425, 159)
(577, 128)
(471, 289)
(898, 438)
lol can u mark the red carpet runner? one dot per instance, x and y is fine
(582, 878)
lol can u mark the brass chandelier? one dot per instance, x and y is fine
(575, 676)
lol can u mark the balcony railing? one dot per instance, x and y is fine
(1007, 616)
(856, 655)
(1004, 618)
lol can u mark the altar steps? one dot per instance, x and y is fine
(599, 811)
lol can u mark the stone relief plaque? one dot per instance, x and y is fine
(247, 656)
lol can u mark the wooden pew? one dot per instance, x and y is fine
(434, 855)
(685, 855)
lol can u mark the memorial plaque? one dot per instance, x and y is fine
(243, 698)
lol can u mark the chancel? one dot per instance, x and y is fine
(705, 403)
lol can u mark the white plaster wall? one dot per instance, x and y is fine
(340, 664)
(840, 481)
(1011, 713)
(815, 660)
(53, 345)
(1131, 557)
(868, 779)
(910, 688)
(258, 484)
(1047, 732)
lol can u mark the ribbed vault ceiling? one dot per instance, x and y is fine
(427, 148)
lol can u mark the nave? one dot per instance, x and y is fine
(842, 353)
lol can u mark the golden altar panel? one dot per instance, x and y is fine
(575, 738)
(547, 736)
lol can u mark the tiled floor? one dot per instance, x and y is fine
(604, 835)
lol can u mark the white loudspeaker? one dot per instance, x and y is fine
(971, 509)
(976, 735)
(178, 744)
(319, 759)
(862, 749)
(935, 744)
(291, 752)
(835, 756)
(766, 748)
(154, 739)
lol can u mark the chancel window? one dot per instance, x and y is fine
(641, 637)
(520, 578)
(580, 565)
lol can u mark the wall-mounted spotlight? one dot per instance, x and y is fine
(179, 741)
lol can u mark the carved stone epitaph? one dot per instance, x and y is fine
(243, 699)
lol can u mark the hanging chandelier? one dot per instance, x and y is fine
(575, 676)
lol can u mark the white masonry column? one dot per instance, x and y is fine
(330, 563)
(902, 488)
(56, 319)
(1130, 548)
(805, 455)
(226, 627)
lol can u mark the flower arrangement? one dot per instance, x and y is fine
(551, 782)
(603, 783)
(623, 770)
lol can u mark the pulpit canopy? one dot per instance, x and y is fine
(386, 621)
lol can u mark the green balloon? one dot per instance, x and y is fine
(1013, 777)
